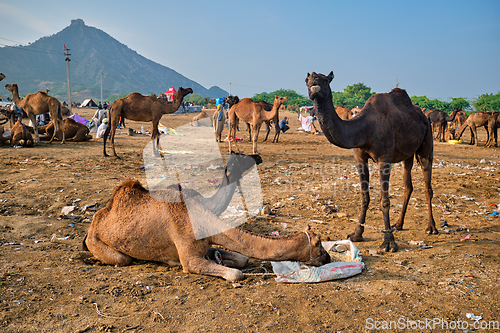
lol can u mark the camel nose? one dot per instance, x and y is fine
(315, 89)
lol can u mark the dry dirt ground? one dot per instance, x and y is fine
(56, 287)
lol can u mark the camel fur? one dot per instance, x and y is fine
(138, 107)
(73, 130)
(475, 120)
(135, 226)
(20, 135)
(388, 129)
(36, 104)
(253, 113)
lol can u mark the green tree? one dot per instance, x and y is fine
(355, 95)
(487, 102)
(293, 98)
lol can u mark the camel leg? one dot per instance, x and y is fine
(203, 266)
(233, 136)
(104, 253)
(35, 126)
(249, 128)
(256, 130)
(155, 137)
(364, 179)
(385, 173)
(408, 164)
(112, 137)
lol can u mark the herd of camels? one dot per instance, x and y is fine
(388, 129)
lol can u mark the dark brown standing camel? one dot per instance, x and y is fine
(475, 120)
(388, 129)
(440, 120)
(39, 103)
(135, 226)
(138, 107)
(253, 113)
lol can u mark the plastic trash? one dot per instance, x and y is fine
(293, 272)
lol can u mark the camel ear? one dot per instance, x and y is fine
(307, 76)
(330, 76)
(308, 227)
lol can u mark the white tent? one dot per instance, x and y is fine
(88, 103)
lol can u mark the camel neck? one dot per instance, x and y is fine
(15, 96)
(345, 134)
(268, 115)
(293, 247)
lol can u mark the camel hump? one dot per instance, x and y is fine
(401, 98)
(131, 184)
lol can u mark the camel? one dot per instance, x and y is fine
(388, 129)
(135, 226)
(459, 119)
(344, 113)
(496, 116)
(449, 134)
(141, 108)
(475, 120)
(72, 130)
(39, 103)
(440, 120)
(199, 117)
(253, 113)
(20, 135)
(267, 107)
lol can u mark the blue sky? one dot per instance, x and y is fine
(440, 49)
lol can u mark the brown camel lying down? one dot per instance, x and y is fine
(134, 225)
(20, 135)
(72, 129)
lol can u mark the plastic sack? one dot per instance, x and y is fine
(294, 272)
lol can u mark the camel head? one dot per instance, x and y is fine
(317, 253)
(231, 100)
(318, 85)
(278, 100)
(11, 87)
(238, 163)
(183, 92)
(2, 76)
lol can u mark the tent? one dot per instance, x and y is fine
(170, 94)
(88, 103)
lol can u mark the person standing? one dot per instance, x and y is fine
(219, 120)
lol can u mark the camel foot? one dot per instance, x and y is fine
(389, 243)
(357, 235)
(398, 226)
(432, 230)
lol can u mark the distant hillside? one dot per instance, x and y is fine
(41, 66)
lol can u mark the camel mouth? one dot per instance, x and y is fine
(315, 89)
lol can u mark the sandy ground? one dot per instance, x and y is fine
(56, 287)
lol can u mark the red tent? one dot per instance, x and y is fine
(170, 94)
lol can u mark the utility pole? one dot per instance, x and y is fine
(67, 54)
(102, 102)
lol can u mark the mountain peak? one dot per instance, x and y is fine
(77, 22)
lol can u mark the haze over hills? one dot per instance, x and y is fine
(41, 65)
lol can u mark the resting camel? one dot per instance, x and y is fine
(253, 113)
(475, 120)
(440, 120)
(138, 107)
(39, 103)
(134, 225)
(20, 135)
(388, 129)
(199, 117)
(72, 130)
